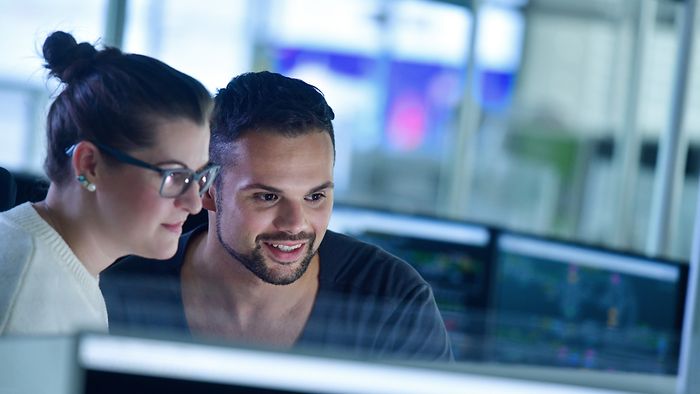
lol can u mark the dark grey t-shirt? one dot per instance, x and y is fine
(369, 303)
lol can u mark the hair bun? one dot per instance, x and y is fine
(65, 58)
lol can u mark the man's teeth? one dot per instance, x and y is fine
(286, 248)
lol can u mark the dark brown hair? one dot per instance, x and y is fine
(112, 98)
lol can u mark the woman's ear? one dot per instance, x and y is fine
(84, 162)
(209, 197)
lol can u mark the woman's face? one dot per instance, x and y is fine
(130, 206)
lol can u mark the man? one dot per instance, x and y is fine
(265, 270)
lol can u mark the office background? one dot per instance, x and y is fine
(544, 116)
(576, 123)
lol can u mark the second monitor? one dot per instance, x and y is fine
(562, 304)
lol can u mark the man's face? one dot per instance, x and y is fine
(274, 202)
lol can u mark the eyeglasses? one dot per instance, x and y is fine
(175, 181)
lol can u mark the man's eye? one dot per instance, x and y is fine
(268, 197)
(316, 197)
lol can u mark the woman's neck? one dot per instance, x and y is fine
(66, 210)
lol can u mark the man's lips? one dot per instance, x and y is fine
(286, 251)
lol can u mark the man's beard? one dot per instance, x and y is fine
(255, 262)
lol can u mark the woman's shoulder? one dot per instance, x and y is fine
(17, 245)
(14, 236)
(19, 221)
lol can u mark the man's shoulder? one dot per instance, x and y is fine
(142, 266)
(351, 251)
(350, 262)
(376, 302)
(136, 265)
(144, 294)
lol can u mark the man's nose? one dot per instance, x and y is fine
(291, 217)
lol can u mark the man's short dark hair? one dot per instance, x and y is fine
(266, 102)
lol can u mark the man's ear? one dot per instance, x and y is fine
(209, 198)
(84, 161)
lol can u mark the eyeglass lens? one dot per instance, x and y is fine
(176, 182)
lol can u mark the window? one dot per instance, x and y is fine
(23, 88)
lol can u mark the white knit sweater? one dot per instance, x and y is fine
(44, 288)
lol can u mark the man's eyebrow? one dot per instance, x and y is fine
(262, 186)
(327, 185)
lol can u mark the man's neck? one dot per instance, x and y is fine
(222, 297)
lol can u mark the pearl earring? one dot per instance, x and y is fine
(86, 184)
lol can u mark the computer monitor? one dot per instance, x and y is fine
(564, 304)
(452, 256)
(110, 364)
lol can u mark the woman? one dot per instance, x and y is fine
(123, 136)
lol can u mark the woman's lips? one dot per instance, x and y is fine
(173, 227)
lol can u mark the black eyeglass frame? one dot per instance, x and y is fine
(191, 175)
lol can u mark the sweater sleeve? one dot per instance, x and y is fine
(17, 248)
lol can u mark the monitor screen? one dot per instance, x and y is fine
(557, 303)
(121, 364)
(452, 256)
